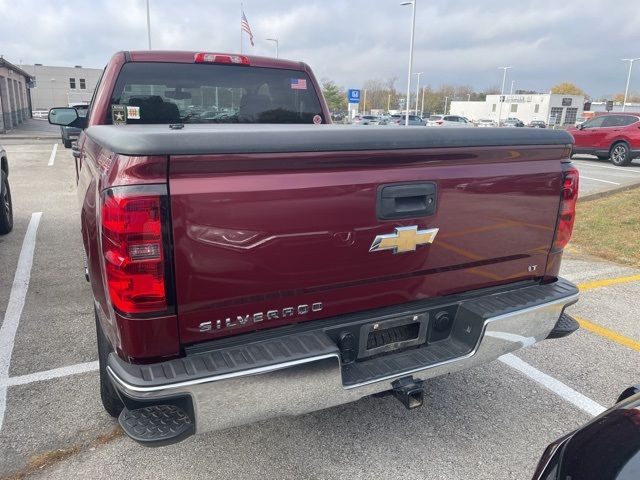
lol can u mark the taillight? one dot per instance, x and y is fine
(220, 58)
(567, 212)
(439, 122)
(134, 248)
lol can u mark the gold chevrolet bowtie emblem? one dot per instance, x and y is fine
(404, 239)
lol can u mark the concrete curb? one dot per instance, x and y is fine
(607, 193)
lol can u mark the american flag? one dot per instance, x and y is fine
(244, 25)
(298, 84)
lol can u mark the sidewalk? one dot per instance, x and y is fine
(32, 128)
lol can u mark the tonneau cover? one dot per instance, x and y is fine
(198, 139)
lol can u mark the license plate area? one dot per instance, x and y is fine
(394, 334)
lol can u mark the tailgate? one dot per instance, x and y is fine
(262, 240)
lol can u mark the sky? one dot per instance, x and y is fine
(459, 42)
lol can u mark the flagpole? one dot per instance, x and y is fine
(241, 13)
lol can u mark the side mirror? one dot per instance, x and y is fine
(66, 117)
(580, 126)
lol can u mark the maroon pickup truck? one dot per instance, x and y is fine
(247, 260)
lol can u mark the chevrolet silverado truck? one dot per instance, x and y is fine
(249, 260)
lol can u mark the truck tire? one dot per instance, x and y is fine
(6, 207)
(67, 143)
(108, 394)
(620, 154)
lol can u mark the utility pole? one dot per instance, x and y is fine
(504, 78)
(275, 40)
(417, 90)
(148, 26)
(626, 90)
(422, 106)
(413, 27)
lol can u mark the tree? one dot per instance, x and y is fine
(566, 88)
(380, 94)
(335, 96)
(631, 98)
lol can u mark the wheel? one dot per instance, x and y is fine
(108, 394)
(6, 207)
(620, 154)
(67, 143)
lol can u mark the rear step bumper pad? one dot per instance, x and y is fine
(301, 373)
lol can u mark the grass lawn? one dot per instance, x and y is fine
(609, 228)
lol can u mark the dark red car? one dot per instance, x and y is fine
(614, 136)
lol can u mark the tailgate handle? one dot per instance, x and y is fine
(407, 200)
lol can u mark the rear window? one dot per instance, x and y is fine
(163, 93)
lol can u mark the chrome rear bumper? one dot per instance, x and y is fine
(316, 381)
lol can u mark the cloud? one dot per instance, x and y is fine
(457, 41)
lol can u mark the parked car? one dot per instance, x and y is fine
(71, 134)
(512, 122)
(606, 448)
(414, 120)
(6, 206)
(245, 271)
(613, 136)
(448, 121)
(485, 122)
(366, 120)
(537, 124)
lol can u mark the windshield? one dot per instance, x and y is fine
(435, 117)
(159, 93)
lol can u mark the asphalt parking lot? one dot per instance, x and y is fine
(492, 422)
(601, 176)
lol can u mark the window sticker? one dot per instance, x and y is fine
(133, 113)
(119, 114)
(298, 84)
(317, 119)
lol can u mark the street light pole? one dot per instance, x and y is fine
(148, 26)
(275, 40)
(417, 90)
(626, 90)
(413, 27)
(388, 102)
(53, 96)
(511, 91)
(504, 79)
(422, 106)
(446, 101)
(364, 103)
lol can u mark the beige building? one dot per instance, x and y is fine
(61, 86)
(15, 101)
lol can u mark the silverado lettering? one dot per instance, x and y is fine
(222, 192)
(260, 316)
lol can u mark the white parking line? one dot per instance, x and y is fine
(52, 158)
(619, 169)
(50, 374)
(599, 180)
(17, 297)
(569, 394)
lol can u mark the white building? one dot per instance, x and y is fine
(61, 86)
(549, 107)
